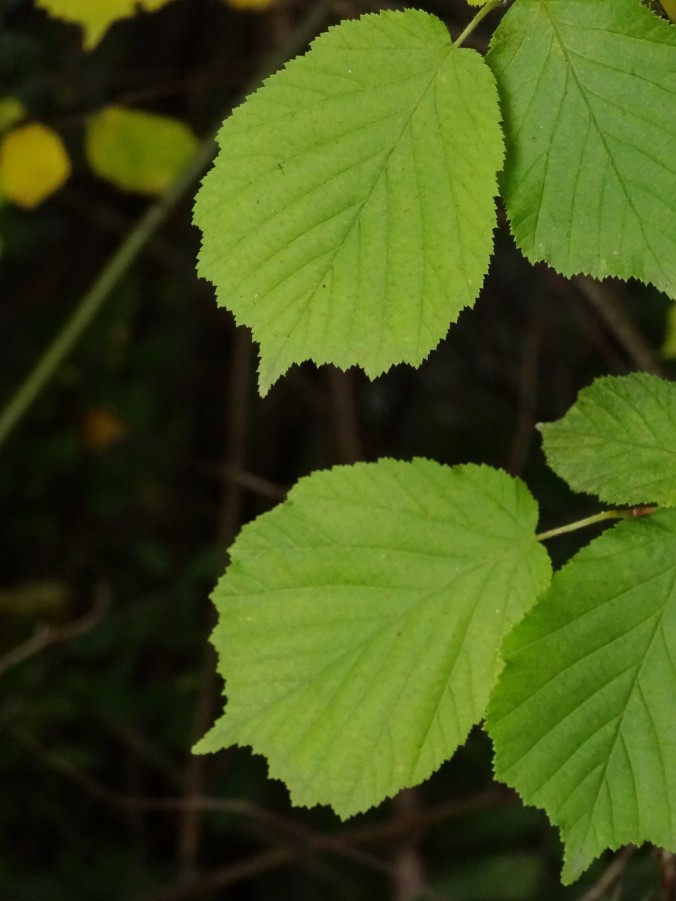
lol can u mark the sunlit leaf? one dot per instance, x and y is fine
(349, 215)
(360, 623)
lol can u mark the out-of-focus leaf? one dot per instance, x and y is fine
(33, 165)
(251, 4)
(668, 349)
(96, 16)
(136, 150)
(12, 111)
(45, 598)
(101, 428)
(669, 6)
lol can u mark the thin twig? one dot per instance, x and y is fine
(409, 879)
(237, 416)
(668, 872)
(527, 392)
(306, 841)
(610, 875)
(610, 309)
(46, 635)
(316, 842)
(349, 445)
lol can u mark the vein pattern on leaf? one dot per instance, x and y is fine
(618, 441)
(583, 718)
(349, 215)
(360, 623)
(588, 89)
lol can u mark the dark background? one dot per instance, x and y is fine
(123, 487)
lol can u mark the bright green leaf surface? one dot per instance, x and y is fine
(618, 441)
(349, 215)
(360, 622)
(584, 718)
(588, 90)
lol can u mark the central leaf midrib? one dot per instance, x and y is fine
(599, 130)
(272, 362)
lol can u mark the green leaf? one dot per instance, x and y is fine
(618, 441)
(349, 215)
(136, 150)
(588, 91)
(360, 622)
(583, 716)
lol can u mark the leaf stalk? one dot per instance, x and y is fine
(483, 12)
(583, 523)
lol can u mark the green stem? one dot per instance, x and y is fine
(100, 291)
(131, 247)
(485, 9)
(583, 523)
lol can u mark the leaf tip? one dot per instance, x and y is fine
(575, 862)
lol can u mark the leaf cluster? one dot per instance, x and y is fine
(364, 625)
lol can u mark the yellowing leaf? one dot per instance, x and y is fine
(33, 165)
(138, 151)
(96, 16)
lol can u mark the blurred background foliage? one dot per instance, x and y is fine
(125, 483)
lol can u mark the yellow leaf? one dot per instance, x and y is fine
(33, 164)
(138, 151)
(96, 16)
(669, 7)
(476, 2)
